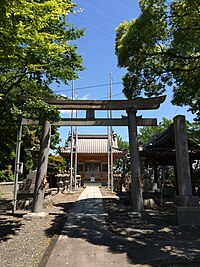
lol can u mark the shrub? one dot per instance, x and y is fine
(6, 176)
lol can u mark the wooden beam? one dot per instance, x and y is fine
(137, 104)
(29, 122)
(90, 114)
(95, 122)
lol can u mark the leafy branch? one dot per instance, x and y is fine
(40, 110)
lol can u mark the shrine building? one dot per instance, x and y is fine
(93, 152)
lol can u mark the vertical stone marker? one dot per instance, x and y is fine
(182, 157)
(188, 208)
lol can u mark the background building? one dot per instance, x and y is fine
(93, 153)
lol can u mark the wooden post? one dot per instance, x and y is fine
(42, 168)
(137, 200)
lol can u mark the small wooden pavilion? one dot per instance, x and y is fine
(92, 156)
(160, 151)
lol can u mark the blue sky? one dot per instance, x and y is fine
(100, 19)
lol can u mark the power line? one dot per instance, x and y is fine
(100, 15)
(94, 29)
(86, 87)
(108, 11)
(128, 4)
(92, 23)
(112, 96)
(94, 46)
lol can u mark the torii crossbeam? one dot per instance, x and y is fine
(131, 107)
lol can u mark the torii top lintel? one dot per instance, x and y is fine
(137, 104)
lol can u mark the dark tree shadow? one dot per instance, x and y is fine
(150, 239)
(9, 225)
(60, 219)
(5, 204)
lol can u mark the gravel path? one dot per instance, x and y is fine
(24, 242)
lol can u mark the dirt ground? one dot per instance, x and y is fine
(24, 242)
(156, 229)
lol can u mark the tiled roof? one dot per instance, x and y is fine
(91, 144)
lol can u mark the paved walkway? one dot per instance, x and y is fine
(85, 240)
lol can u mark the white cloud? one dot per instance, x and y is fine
(85, 97)
(65, 113)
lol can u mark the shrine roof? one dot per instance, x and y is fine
(91, 143)
(161, 148)
(165, 141)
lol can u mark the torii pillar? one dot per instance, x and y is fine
(131, 106)
(137, 200)
(42, 168)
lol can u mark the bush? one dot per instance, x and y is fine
(6, 176)
(56, 163)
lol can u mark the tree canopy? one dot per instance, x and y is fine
(35, 50)
(35, 42)
(161, 48)
(122, 144)
(148, 132)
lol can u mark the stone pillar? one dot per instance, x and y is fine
(188, 209)
(42, 168)
(182, 157)
(185, 197)
(137, 200)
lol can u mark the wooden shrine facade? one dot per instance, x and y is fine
(92, 152)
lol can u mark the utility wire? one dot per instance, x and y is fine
(108, 11)
(128, 4)
(86, 87)
(104, 33)
(100, 15)
(92, 23)
(96, 47)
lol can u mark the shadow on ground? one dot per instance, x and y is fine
(153, 239)
(60, 218)
(9, 225)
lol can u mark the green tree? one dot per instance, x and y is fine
(161, 48)
(122, 144)
(35, 43)
(148, 132)
(194, 131)
(56, 163)
(35, 50)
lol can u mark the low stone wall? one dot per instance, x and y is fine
(7, 187)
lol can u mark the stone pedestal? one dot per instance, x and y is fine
(150, 186)
(188, 216)
(187, 201)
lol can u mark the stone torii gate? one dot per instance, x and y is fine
(90, 106)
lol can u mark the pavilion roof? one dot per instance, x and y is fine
(161, 148)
